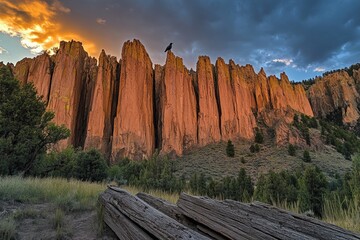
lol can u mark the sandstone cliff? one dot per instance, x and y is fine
(336, 96)
(177, 106)
(134, 134)
(128, 108)
(208, 116)
(40, 72)
(21, 70)
(66, 88)
(103, 105)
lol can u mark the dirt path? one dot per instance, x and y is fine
(44, 221)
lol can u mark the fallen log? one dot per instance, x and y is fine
(152, 221)
(234, 223)
(174, 212)
(122, 226)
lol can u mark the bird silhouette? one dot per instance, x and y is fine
(168, 48)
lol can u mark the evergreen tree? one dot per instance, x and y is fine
(312, 189)
(26, 130)
(291, 150)
(259, 137)
(306, 156)
(230, 150)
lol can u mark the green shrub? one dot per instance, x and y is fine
(254, 148)
(306, 156)
(91, 166)
(291, 150)
(259, 137)
(230, 150)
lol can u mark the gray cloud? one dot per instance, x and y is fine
(313, 33)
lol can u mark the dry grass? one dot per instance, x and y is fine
(69, 195)
(212, 160)
(345, 217)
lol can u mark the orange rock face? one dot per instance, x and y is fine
(177, 107)
(21, 70)
(40, 75)
(229, 123)
(128, 109)
(244, 102)
(134, 134)
(208, 116)
(336, 93)
(66, 87)
(102, 108)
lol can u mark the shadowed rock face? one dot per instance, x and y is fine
(102, 110)
(127, 108)
(336, 93)
(134, 134)
(68, 87)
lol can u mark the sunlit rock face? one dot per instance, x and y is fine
(134, 132)
(336, 96)
(208, 115)
(176, 106)
(130, 108)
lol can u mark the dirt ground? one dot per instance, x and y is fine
(38, 221)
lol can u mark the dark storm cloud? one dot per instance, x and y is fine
(310, 33)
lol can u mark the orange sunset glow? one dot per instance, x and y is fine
(35, 22)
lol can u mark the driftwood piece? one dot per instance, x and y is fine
(148, 218)
(122, 226)
(174, 212)
(234, 223)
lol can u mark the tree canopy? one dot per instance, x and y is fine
(26, 130)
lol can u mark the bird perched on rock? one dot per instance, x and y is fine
(168, 48)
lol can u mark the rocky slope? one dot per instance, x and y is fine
(336, 96)
(130, 109)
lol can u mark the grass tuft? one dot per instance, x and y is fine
(7, 229)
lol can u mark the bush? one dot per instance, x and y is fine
(26, 130)
(259, 137)
(291, 150)
(306, 156)
(243, 160)
(91, 166)
(230, 151)
(254, 148)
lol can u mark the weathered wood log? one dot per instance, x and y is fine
(148, 218)
(296, 222)
(122, 226)
(233, 223)
(174, 212)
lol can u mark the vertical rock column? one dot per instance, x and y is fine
(66, 87)
(244, 101)
(40, 72)
(21, 70)
(178, 107)
(229, 123)
(208, 116)
(134, 134)
(100, 124)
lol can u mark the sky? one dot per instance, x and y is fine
(302, 38)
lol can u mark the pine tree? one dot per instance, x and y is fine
(291, 150)
(306, 156)
(230, 150)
